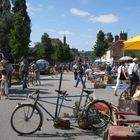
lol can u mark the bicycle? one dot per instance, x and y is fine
(31, 78)
(96, 112)
(27, 118)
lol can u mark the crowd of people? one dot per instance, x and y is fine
(26, 72)
(29, 72)
(82, 70)
(128, 73)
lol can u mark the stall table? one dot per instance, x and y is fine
(122, 133)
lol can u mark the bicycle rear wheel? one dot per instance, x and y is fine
(98, 114)
(26, 119)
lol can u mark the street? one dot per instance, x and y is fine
(48, 86)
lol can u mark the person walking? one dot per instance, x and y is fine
(81, 74)
(121, 76)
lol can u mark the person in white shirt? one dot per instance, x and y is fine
(133, 75)
(121, 76)
(75, 70)
(88, 73)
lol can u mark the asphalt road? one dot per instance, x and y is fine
(47, 88)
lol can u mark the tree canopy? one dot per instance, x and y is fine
(101, 45)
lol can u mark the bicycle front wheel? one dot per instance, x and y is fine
(26, 119)
(98, 114)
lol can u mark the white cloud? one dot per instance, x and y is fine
(33, 9)
(63, 15)
(79, 12)
(65, 33)
(50, 6)
(84, 1)
(110, 18)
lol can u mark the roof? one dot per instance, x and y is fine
(55, 41)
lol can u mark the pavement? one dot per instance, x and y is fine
(48, 86)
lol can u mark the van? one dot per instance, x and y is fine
(43, 65)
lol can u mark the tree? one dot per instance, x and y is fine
(59, 53)
(101, 45)
(109, 37)
(16, 40)
(5, 25)
(47, 47)
(56, 53)
(20, 33)
(74, 53)
(67, 54)
(39, 50)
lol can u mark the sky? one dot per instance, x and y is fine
(81, 20)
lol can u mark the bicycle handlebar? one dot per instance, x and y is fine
(36, 92)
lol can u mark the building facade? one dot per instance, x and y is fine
(115, 50)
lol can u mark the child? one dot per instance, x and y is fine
(4, 83)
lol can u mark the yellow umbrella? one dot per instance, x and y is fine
(132, 43)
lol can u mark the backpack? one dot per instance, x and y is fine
(81, 70)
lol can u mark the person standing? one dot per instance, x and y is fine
(23, 71)
(4, 83)
(56, 68)
(121, 76)
(75, 69)
(133, 75)
(108, 69)
(88, 73)
(9, 69)
(37, 74)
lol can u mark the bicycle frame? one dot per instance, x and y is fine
(58, 105)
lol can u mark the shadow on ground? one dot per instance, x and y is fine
(65, 136)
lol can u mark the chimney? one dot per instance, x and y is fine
(123, 35)
(64, 40)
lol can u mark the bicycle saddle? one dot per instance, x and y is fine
(61, 91)
(88, 90)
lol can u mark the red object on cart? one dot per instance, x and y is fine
(101, 107)
(121, 133)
